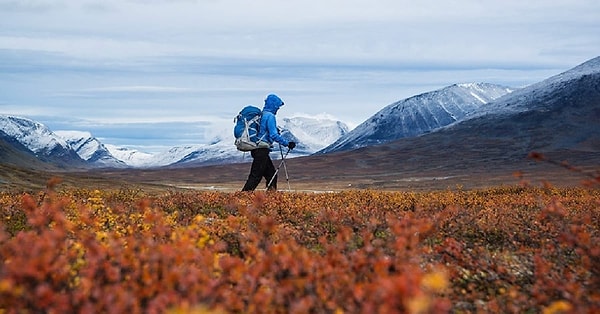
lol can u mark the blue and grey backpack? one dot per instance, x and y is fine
(247, 124)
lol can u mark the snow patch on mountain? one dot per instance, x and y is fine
(419, 114)
(521, 100)
(310, 133)
(129, 156)
(314, 133)
(90, 148)
(78, 140)
(33, 135)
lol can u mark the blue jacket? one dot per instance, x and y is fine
(268, 124)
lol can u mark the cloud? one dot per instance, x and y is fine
(180, 62)
(37, 6)
(332, 30)
(137, 89)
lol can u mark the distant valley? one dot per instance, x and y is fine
(482, 132)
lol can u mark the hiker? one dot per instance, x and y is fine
(262, 165)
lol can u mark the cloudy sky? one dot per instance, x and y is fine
(155, 73)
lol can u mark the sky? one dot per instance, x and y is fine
(152, 74)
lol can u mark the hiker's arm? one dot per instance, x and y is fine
(273, 133)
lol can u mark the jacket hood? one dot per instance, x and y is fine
(273, 103)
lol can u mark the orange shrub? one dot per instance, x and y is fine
(509, 249)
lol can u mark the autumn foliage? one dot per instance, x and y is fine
(507, 249)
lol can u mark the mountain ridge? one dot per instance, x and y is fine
(558, 118)
(419, 114)
(38, 140)
(90, 149)
(81, 149)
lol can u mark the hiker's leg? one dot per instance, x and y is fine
(257, 170)
(269, 173)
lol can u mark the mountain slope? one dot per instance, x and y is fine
(419, 114)
(559, 117)
(90, 149)
(79, 149)
(131, 157)
(311, 134)
(12, 152)
(560, 113)
(43, 143)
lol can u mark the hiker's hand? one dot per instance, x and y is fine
(291, 145)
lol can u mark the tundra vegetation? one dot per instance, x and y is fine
(510, 249)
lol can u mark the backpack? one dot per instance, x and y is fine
(245, 131)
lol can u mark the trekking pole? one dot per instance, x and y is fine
(277, 170)
(287, 178)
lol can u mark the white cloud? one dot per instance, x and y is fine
(37, 6)
(304, 30)
(139, 88)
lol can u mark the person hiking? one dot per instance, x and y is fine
(262, 165)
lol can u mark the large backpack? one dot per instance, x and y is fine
(247, 124)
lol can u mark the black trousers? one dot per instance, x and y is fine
(262, 167)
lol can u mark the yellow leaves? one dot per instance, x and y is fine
(419, 304)
(95, 201)
(204, 240)
(558, 307)
(5, 285)
(436, 281)
(432, 284)
(198, 219)
(9, 287)
(194, 233)
(101, 236)
(77, 255)
(216, 262)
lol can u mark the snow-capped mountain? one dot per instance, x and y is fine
(528, 98)
(90, 149)
(419, 114)
(559, 113)
(221, 152)
(130, 157)
(487, 121)
(13, 153)
(558, 118)
(80, 148)
(311, 134)
(34, 135)
(43, 143)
